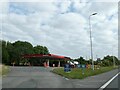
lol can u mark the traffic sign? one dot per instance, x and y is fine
(67, 68)
(83, 66)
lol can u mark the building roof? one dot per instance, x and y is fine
(45, 56)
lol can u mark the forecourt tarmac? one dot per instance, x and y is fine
(40, 77)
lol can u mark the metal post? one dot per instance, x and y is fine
(113, 58)
(91, 40)
(59, 64)
(48, 63)
(113, 61)
(91, 44)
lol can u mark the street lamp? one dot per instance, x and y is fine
(113, 57)
(91, 41)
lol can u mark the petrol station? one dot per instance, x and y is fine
(46, 58)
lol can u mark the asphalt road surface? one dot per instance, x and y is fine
(33, 77)
(114, 84)
(40, 77)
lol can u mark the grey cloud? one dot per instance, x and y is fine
(64, 34)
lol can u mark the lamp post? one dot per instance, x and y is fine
(91, 40)
(113, 57)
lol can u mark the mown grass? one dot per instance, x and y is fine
(78, 73)
(4, 70)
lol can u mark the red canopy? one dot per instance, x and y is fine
(45, 56)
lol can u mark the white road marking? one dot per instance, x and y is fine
(66, 78)
(107, 83)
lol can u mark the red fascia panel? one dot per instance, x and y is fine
(41, 55)
(57, 56)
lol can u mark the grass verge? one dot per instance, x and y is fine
(3, 70)
(78, 73)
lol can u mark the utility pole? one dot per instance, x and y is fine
(113, 57)
(91, 40)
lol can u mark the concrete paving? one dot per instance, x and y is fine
(40, 77)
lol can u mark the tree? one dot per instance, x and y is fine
(109, 61)
(5, 54)
(21, 48)
(81, 60)
(24, 47)
(46, 51)
(12, 52)
(40, 50)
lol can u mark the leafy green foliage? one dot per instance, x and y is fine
(40, 50)
(77, 73)
(109, 61)
(12, 52)
(5, 54)
(81, 60)
(106, 61)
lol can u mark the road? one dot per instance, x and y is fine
(114, 84)
(33, 77)
(40, 77)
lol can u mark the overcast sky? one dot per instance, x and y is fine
(63, 26)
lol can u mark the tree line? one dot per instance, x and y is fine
(12, 52)
(106, 61)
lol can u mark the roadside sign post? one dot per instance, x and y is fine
(83, 67)
(67, 67)
(79, 66)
